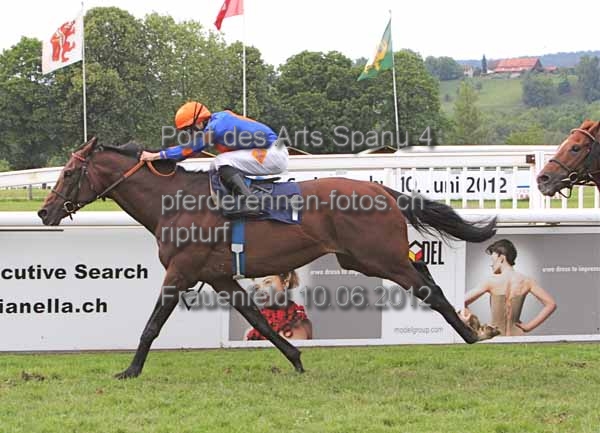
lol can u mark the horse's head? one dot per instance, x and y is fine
(576, 162)
(95, 171)
(72, 188)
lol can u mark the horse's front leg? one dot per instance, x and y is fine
(247, 307)
(167, 300)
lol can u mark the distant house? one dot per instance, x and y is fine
(511, 66)
(491, 65)
(551, 69)
(468, 71)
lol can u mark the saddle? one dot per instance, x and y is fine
(275, 197)
(269, 193)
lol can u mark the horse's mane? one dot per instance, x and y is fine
(133, 150)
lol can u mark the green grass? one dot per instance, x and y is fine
(482, 388)
(34, 205)
(495, 94)
(500, 94)
(18, 200)
(572, 202)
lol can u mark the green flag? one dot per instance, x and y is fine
(383, 58)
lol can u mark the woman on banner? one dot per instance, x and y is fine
(284, 315)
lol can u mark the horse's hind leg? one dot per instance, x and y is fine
(436, 299)
(417, 277)
(252, 314)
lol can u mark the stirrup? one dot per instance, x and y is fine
(240, 212)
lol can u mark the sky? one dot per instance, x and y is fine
(462, 29)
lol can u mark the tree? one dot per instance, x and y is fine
(432, 65)
(564, 86)
(30, 123)
(443, 68)
(484, 65)
(139, 71)
(117, 78)
(467, 116)
(260, 82)
(418, 100)
(538, 91)
(588, 74)
(317, 93)
(532, 135)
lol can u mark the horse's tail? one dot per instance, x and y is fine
(427, 216)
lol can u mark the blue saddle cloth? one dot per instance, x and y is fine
(278, 210)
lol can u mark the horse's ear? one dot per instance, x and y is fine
(96, 146)
(88, 146)
(595, 129)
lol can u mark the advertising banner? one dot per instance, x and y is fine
(536, 284)
(88, 288)
(78, 288)
(345, 307)
(440, 184)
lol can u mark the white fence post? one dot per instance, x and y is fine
(536, 199)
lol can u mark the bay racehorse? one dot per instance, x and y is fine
(374, 243)
(576, 162)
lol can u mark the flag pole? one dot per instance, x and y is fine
(394, 81)
(244, 62)
(83, 76)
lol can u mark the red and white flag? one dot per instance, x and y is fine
(64, 46)
(230, 8)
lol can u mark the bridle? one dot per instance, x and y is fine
(71, 206)
(584, 175)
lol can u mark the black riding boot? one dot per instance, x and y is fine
(234, 180)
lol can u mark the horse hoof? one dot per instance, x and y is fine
(488, 332)
(479, 332)
(127, 374)
(471, 338)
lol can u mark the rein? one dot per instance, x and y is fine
(584, 175)
(71, 206)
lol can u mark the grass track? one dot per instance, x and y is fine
(483, 388)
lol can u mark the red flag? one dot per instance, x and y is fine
(229, 9)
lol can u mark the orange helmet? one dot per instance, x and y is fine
(191, 113)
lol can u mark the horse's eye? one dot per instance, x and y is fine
(68, 173)
(575, 148)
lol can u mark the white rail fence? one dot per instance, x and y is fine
(463, 176)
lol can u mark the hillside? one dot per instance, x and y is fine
(505, 119)
(562, 60)
(500, 94)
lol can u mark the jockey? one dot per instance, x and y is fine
(245, 145)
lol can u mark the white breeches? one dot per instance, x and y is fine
(255, 162)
